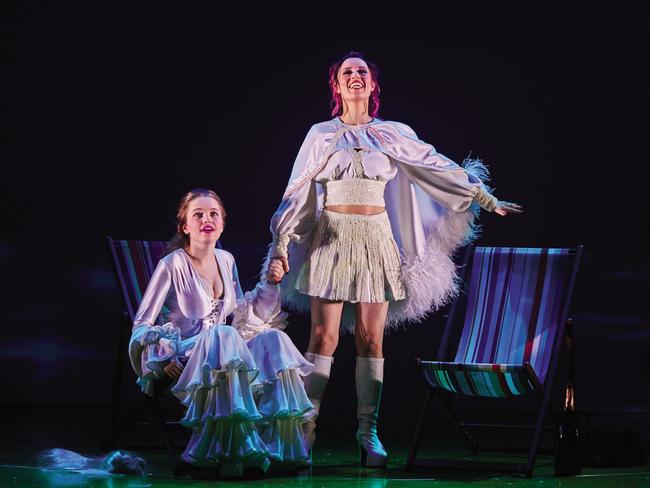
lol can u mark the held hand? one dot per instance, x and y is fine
(505, 208)
(275, 272)
(174, 369)
(283, 260)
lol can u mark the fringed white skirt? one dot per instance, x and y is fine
(353, 258)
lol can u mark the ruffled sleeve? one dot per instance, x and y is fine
(257, 310)
(156, 346)
(152, 345)
(453, 186)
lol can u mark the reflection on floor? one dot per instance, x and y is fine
(25, 432)
(333, 466)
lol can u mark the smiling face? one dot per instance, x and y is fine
(354, 81)
(204, 220)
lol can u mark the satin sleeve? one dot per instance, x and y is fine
(296, 214)
(257, 310)
(154, 296)
(453, 186)
(294, 219)
(151, 346)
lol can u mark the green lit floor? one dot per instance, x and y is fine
(27, 431)
(333, 467)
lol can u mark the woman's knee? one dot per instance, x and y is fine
(269, 338)
(222, 332)
(369, 346)
(323, 341)
(274, 333)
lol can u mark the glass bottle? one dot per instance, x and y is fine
(567, 441)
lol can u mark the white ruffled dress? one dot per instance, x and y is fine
(241, 386)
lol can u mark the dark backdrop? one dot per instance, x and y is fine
(109, 116)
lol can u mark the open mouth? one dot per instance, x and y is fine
(357, 85)
(207, 228)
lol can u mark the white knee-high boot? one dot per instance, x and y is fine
(369, 375)
(315, 385)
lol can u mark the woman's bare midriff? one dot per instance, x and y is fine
(356, 209)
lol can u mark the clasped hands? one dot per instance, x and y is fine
(277, 269)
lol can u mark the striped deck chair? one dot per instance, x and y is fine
(516, 305)
(133, 263)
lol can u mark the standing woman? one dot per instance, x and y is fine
(368, 224)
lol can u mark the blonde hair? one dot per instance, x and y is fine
(180, 239)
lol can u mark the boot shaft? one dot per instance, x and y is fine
(316, 382)
(369, 376)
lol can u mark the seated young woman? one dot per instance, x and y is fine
(241, 383)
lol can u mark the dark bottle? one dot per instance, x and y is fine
(567, 445)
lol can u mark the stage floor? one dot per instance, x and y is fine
(26, 431)
(333, 466)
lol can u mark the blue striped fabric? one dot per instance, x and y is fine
(515, 300)
(135, 262)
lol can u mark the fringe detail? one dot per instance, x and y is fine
(353, 259)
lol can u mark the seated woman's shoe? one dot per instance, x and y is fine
(231, 469)
(256, 469)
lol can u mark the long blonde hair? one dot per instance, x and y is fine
(181, 240)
